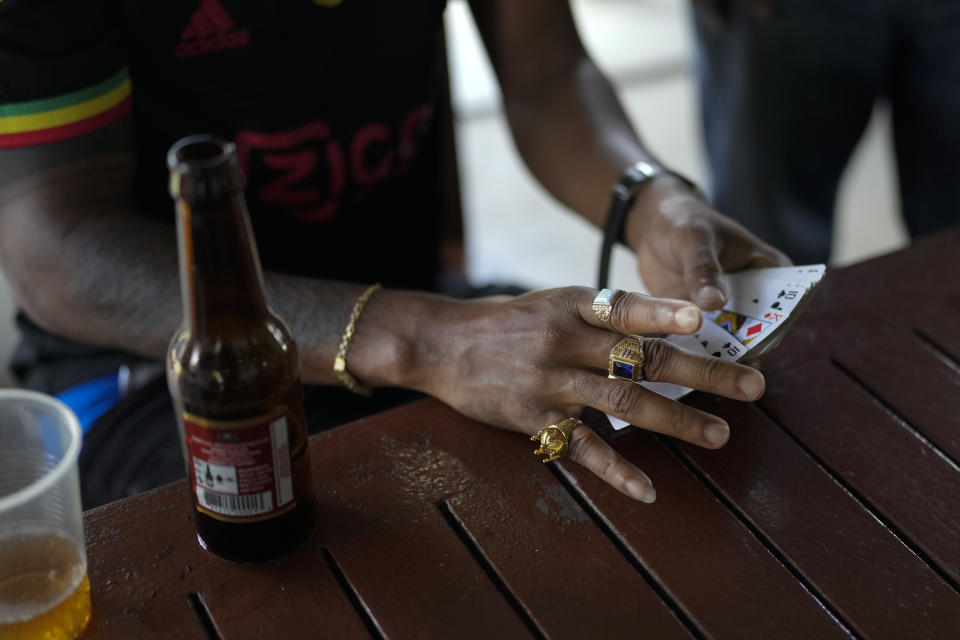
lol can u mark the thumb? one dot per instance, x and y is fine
(702, 271)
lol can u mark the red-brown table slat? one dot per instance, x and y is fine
(548, 552)
(704, 558)
(941, 328)
(913, 381)
(141, 588)
(916, 287)
(862, 569)
(905, 480)
(418, 580)
(137, 550)
(295, 596)
(402, 459)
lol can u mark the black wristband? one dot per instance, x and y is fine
(624, 193)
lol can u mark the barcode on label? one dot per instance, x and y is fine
(249, 505)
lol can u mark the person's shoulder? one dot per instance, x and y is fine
(63, 75)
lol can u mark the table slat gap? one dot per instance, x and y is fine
(764, 540)
(355, 600)
(865, 503)
(936, 349)
(603, 525)
(200, 609)
(481, 559)
(893, 413)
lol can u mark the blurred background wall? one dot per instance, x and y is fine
(517, 233)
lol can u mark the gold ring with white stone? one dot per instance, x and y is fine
(603, 303)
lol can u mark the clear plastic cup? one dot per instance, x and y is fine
(44, 590)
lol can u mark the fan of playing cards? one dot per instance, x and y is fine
(761, 306)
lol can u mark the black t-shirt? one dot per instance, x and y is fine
(332, 106)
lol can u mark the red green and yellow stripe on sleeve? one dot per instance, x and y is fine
(23, 124)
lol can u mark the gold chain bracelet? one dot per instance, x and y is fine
(340, 362)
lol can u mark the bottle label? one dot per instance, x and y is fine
(240, 470)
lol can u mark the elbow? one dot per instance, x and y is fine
(38, 274)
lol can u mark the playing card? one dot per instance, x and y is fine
(742, 327)
(750, 291)
(805, 275)
(755, 317)
(691, 342)
(718, 342)
(761, 305)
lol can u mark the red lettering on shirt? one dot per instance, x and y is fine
(414, 124)
(294, 154)
(364, 138)
(297, 165)
(303, 171)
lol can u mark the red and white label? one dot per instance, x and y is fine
(240, 471)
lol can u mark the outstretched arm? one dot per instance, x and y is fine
(574, 136)
(83, 264)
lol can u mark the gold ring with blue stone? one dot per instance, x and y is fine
(603, 303)
(626, 360)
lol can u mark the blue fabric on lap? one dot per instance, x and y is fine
(92, 399)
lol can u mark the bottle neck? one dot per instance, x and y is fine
(220, 276)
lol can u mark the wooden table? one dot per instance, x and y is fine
(833, 512)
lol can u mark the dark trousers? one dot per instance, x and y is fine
(786, 98)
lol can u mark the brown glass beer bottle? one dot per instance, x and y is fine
(233, 370)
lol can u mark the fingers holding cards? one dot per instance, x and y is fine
(652, 411)
(709, 340)
(760, 307)
(664, 362)
(673, 372)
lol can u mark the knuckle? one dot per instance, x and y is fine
(621, 397)
(698, 226)
(620, 312)
(552, 335)
(656, 315)
(679, 424)
(587, 388)
(580, 446)
(605, 469)
(535, 381)
(712, 372)
(658, 358)
(568, 299)
(705, 266)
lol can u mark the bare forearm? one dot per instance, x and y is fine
(79, 267)
(386, 347)
(117, 286)
(565, 117)
(575, 137)
(101, 275)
